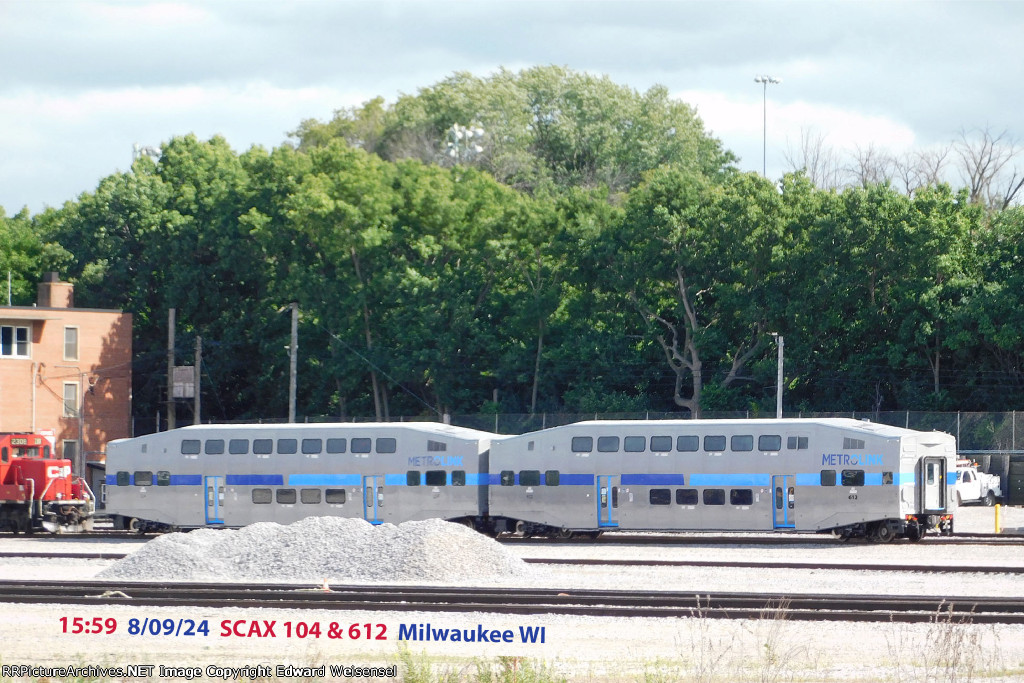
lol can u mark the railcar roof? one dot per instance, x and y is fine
(835, 422)
(433, 428)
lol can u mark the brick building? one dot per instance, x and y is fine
(66, 370)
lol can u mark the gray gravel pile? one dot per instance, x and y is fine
(320, 548)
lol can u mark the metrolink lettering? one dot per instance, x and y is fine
(425, 632)
(436, 461)
(845, 459)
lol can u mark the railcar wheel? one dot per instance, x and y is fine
(915, 533)
(134, 524)
(564, 533)
(884, 533)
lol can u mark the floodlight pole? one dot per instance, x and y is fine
(765, 80)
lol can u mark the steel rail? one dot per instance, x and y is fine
(524, 601)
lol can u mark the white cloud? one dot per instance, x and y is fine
(46, 135)
(740, 123)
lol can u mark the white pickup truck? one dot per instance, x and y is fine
(973, 486)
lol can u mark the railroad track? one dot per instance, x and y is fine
(523, 601)
(626, 538)
(714, 564)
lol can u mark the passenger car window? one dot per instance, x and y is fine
(582, 444)
(853, 477)
(661, 496)
(661, 444)
(605, 444)
(361, 445)
(437, 477)
(769, 442)
(551, 478)
(529, 478)
(687, 444)
(740, 443)
(262, 446)
(336, 445)
(214, 447)
(634, 444)
(714, 444)
(190, 446)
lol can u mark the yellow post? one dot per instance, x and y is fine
(999, 528)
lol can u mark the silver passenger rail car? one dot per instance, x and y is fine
(848, 477)
(233, 475)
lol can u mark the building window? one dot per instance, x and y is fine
(70, 343)
(14, 341)
(70, 399)
(70, 449)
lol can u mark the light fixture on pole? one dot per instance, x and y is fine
(781, 343)
(765, 80)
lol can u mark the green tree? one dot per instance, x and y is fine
(697, 259)
(541, 125)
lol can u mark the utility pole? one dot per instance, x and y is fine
(293, 361)
(197, 372)
(170, 369)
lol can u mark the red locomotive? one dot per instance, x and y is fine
(38, 491)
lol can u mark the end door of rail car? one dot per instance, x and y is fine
(214, 500)
(784, 507)
(373, 497)
(934, 483)
(608, 501)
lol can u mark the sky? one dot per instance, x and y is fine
(83, 81)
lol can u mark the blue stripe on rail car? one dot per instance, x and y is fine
(326, 480)
(476, 479)
(808, 479)
(730, 480)
(186, 480)
(565, 479)
(653, 479)
(395, 480)
(254, 480)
